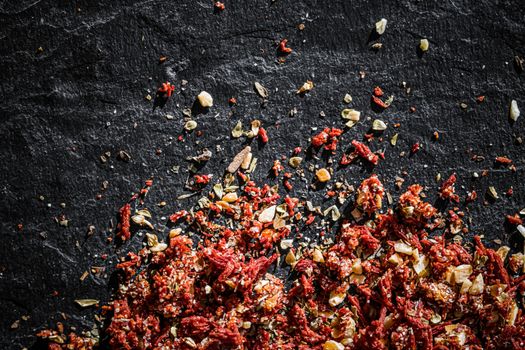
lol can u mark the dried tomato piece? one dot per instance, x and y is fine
(123, 231)
(364, 152)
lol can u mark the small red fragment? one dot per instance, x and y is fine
(378, 92)
(219, 6)
(379, 102)
(232, 101)
(283, 48)
(503, 160)
(166, 89)
(123, 226)
(415, 147)
(514, 219)
(263, 135)
(364, 152)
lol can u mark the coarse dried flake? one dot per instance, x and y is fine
(381, 26)
(238, 159)
(261, 90)
(514, 111)
(237, 130)
(306, 87)
(86, 302)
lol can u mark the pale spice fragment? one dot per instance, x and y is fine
(514, 111)
(238, 159)
(86, 302)
(237, 130)
(347, 99)
(323, 175)
(190, 125)
(205, 99)
(423, 45)
(261, 90)
(308, 86)
(378, 125)
(381, 26)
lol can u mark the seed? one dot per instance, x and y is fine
(190, 125)
(351, 115)
(205, 99)
(86, 302)
(295, 162)
(423, 45)
(237, 130)
(393, 140)
(333, 345)
(323, 175)
(493, 193)
(347, 99)
(245, 165)
(514, 111)
(238, 159)
(378, 125)
(159, 247)
(267, 214)
(381, 26)
(377, 46)
(261, 90)
(309, 85)
(230, 197)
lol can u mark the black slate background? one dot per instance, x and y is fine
(84, 94)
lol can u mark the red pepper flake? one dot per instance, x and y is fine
(277, 167)
(448, 190)
(178, 215)
(310, 220)
(166, 89)
(503, 160)
(480, 99)
(328, 137)
(514, 219)
(510, 192)
(202, 180)
(219, 6)
(412, 109)
(123, 226)
(364, 152)
(378, 102)
(378, 92)
(286, 181)
(435, 135)
(415, 148)
(471, 197)
(282, 47)
(297, 150)
(263, 135)
(232, 101)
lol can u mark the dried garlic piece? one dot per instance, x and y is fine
(333, 345)
(423, 45)
(381, 26)
(237, 130)
(205, 99)
(514, 111)
(378, 125)
(86, 302)
(261, 90)
(347, 99)
(267, 214)
(190, 125)
(309, 85)
(295, 162)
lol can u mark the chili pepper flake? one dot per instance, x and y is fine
(263, 135)
(123, 231)
(219, 6)
(166, 89)
(282, 47)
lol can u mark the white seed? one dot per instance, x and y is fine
(514, 111)
(378, 125)
(347, 99)
(423, 45)
(205, 99)
(381, 26)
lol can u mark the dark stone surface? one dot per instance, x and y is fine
(84, 94)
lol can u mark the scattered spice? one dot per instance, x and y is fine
(514, 111)
(381, 26)
(306, 87)
(423, 45)
(219, 6)
(205, 99)
(166, 89)
(261, 90)
(282, 47)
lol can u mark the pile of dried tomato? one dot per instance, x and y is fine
(385, 281)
